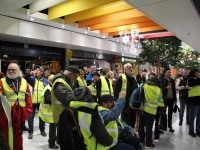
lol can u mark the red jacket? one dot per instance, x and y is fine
(24, 111)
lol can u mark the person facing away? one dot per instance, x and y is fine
(18, 103)
(104, 84)
(37, 80)
(91, 126)
(80, 80)
(110, 112)
(89, 77)
(193, 84)
(181, 85)
(140, 78)
(169, 96)
(126, 83)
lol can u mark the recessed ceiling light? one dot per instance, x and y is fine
(32, 18)
(63, 25)
(104, 36)
(86, 32)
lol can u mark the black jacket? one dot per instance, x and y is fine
(131, 85)
(164, 83)
(140, 79)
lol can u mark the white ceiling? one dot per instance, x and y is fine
(177, 16)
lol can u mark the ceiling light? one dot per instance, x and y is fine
(32, 18)
(63, 25)
(104, 36)
(86, 32)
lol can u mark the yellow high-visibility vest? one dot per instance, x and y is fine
(193, 91)
(7, 109)
(11, 96)
(57, 107)
(81, 82)
(45, 110)
(37, 93)
(124, 83)
(104, 87)
(93, 89)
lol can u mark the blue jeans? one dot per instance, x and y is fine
(31, 120)
(122, 146)
(183, 103)
(194, 111)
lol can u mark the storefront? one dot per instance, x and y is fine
(85, 59)
(28, 56)
(121, 61)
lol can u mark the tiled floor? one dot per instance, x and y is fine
(179, 140)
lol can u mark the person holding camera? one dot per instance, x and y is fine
(124, 136)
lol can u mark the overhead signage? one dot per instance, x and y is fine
(128, 60)
(21, 49)
(93, 55)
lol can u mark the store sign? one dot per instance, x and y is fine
(128, 60)
(93, 55)
(10, 48)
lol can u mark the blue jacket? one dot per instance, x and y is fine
(89, 77)
(113, 114)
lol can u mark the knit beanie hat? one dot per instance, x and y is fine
(83, 94)
(73, 69)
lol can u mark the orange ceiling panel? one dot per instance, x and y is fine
(128, 27)
(119, 23)
(111, 17)
(146, 29)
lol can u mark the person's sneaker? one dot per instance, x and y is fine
(171, 130)
(156, 140)
(25, 128)
(53, 147)
(43, 133)
(192, 134)
(180, 123)
(149, 147)
(163, 128)
(142, 143)
(30, 136)
(161, 132)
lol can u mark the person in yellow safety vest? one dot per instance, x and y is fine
(152, 96)
(80, 80)
(110, 112)
(92, 87)
(6, 108)
(37, 80)
(17, 92)
(92, 128)
(45, 113)
(127, 83)
(104, 84)
(193, 85)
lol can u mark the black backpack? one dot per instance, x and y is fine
(69, 134)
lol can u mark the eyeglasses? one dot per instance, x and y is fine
(13, 70)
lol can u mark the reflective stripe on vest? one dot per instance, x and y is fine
(112, 128)
(104, 87)
(193, 91)
(57, 106)
(124, 83)
(7, 110)
(152, 94)
(45, 110)
(81, 82)
(85, 121)
(11, 96)
(37, 93)
(93, 89)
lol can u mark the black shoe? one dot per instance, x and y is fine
(150, 147)
(180, 123)
(192, 134)
(25, 128)
(198, 133)
(53, 147)
(161, 132)
(171, 130)
(163, 128)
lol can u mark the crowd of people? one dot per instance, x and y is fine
(104, 115)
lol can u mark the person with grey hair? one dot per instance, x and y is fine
(126, 83)
(89, 77)
(17, 92)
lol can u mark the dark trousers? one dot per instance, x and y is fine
(146, 121)
(168, 103)
(157, 132)
(31, 120)
(122, 146)
(52, 134)
(183, 104)
(129, 118)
